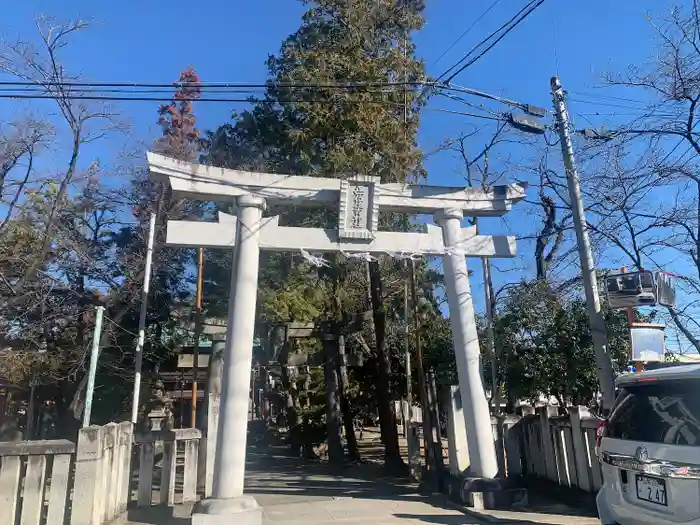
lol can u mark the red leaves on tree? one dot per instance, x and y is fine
(180, 135)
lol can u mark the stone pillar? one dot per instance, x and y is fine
(482, 451)
(209, 415)
(214, 374)
(228, 502)
(458, 451)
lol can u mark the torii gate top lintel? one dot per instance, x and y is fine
(358, 200)
(201, 182)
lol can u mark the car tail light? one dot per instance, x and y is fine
(599, 435)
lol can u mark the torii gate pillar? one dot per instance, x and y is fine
(482, 451)
(229, 468)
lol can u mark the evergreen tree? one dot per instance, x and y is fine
(337, 131)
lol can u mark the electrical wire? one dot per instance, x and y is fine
(493, 44)
(167, 98)
(608, 104)
(466, 31)
(468, 114)
(135, 91)
(668, 155)
(477, 46)
(462, 100)
(120, 327)
(207, 85)
(239, 100)
(607, 97)
(632, 114)
(506, 28)
(126, 91)
(482, 94)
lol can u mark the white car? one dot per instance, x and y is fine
(650, 450)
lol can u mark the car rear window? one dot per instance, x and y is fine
(664, 412)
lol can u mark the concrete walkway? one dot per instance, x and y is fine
(293, 492)
(297, 492)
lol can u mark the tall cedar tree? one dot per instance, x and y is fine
(334, 132)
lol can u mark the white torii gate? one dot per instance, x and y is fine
(359, 200)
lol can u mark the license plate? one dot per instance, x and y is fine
(652, 490)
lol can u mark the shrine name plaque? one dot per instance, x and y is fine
(359, 209)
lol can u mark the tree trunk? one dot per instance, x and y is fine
(387, 418)
(274, 348)
(295, 417)
(292, 402)
(31, 415)
(430, 423)
(436, 442)
(333, 417)
(353, 450)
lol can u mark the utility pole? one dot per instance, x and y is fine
(588, 271)
(94, 355)
(142, 318)
(489, 300)
(197, 333)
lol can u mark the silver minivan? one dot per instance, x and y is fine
(650, 450)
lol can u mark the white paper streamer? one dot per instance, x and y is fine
(314, 260)
(402, 256)
(362, 256)
(318, 261)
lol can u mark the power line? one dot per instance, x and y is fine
(39, 89)
(462, 100)
(169, 98)
(58, 93)
(206, 85)
(122, 93)
(466, 31)
(609, 104)
(93, 92)
(507, 27)
(482, 94)
(232, 100)
(477, 46)
(493, 44)
(608, 97)
(24, 87)
(487, 117)
(668, 155)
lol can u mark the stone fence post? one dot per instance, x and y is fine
(102, 474)
(458, 451)
(88, 471)
(580, 447)
(210, 447)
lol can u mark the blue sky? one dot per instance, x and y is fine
(229, 41)
(152, 41)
